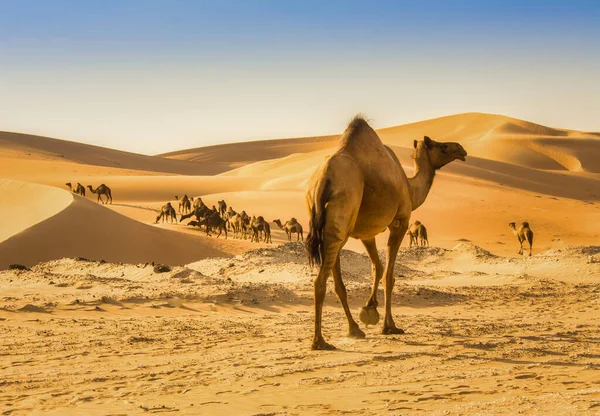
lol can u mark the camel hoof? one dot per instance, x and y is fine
(321, 345)
(356, 332)
(368, 315)
(392, 331)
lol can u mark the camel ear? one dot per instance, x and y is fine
(415, 144)
(428, 142)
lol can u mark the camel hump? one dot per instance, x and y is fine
(417, 222)
(293, 220)
(525, 224)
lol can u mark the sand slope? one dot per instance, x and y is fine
(29, 147)
(84, 228)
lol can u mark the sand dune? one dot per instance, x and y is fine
(29, 147)
(70, 226)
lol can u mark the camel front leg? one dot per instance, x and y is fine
(394, 241)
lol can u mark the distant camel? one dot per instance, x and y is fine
(102, 190)
(198, 202)
(258, 225)
(78, 190)
(213, 220)
(418, 234)
(290, 227)
(523, 234)
(222, 207)
(228, 217)
(185, 205)
(358, 192)
(167, 212)
(198, 212)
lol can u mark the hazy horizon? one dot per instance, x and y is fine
(153, 76)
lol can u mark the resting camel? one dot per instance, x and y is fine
(167, 212)
(222, 207)
(523, 234)
(102, 190)
(418, 234)
(290, 227)
(359, 192)
(259, 225)
(78, 190)
(185, 205)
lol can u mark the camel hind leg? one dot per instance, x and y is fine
(340, 290)
(529, 236)
(394, 241)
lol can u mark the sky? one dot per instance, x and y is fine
(154, 76)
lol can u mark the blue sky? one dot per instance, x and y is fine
(152, 76)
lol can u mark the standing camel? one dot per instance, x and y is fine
(102, 190)
(290, 227)
(222, 207)
(259, 225)
(185, 205)
(523, 234)
(213, 220)
(359, 192)
(78, 190)
(418, 234)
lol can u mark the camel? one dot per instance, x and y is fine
(102, 190)
(222, 207)
(359, 192)
(290, 227)
(78, 190)
(228, 217)
(167, 212)
(213, 220)
(418, 234)
(198, 202)
(198, 212)
(523, 234)
(258, 225)
(185, 205)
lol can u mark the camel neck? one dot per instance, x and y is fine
(421, 182)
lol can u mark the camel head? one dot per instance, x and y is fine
(176, 197)
(68, 184)
(278, 222)
(440, 153)
(512, 225)
(90, 187)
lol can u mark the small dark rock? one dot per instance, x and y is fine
(17, 267)
(161, 268)
(82, 259)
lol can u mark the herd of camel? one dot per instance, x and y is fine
(101, 191)
(225, 219)
(358, 192)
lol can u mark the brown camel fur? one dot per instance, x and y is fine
(359, 192)
(258, 225)
(523, 234)
(185, 205)
(78, 190)
(418, 234)
(290, 227)
(102, 190)
(167, 212)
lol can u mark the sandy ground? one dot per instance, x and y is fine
(485, 335)
(91, 329)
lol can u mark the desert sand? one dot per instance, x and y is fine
(92, 329)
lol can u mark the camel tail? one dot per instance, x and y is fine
(314, 239)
